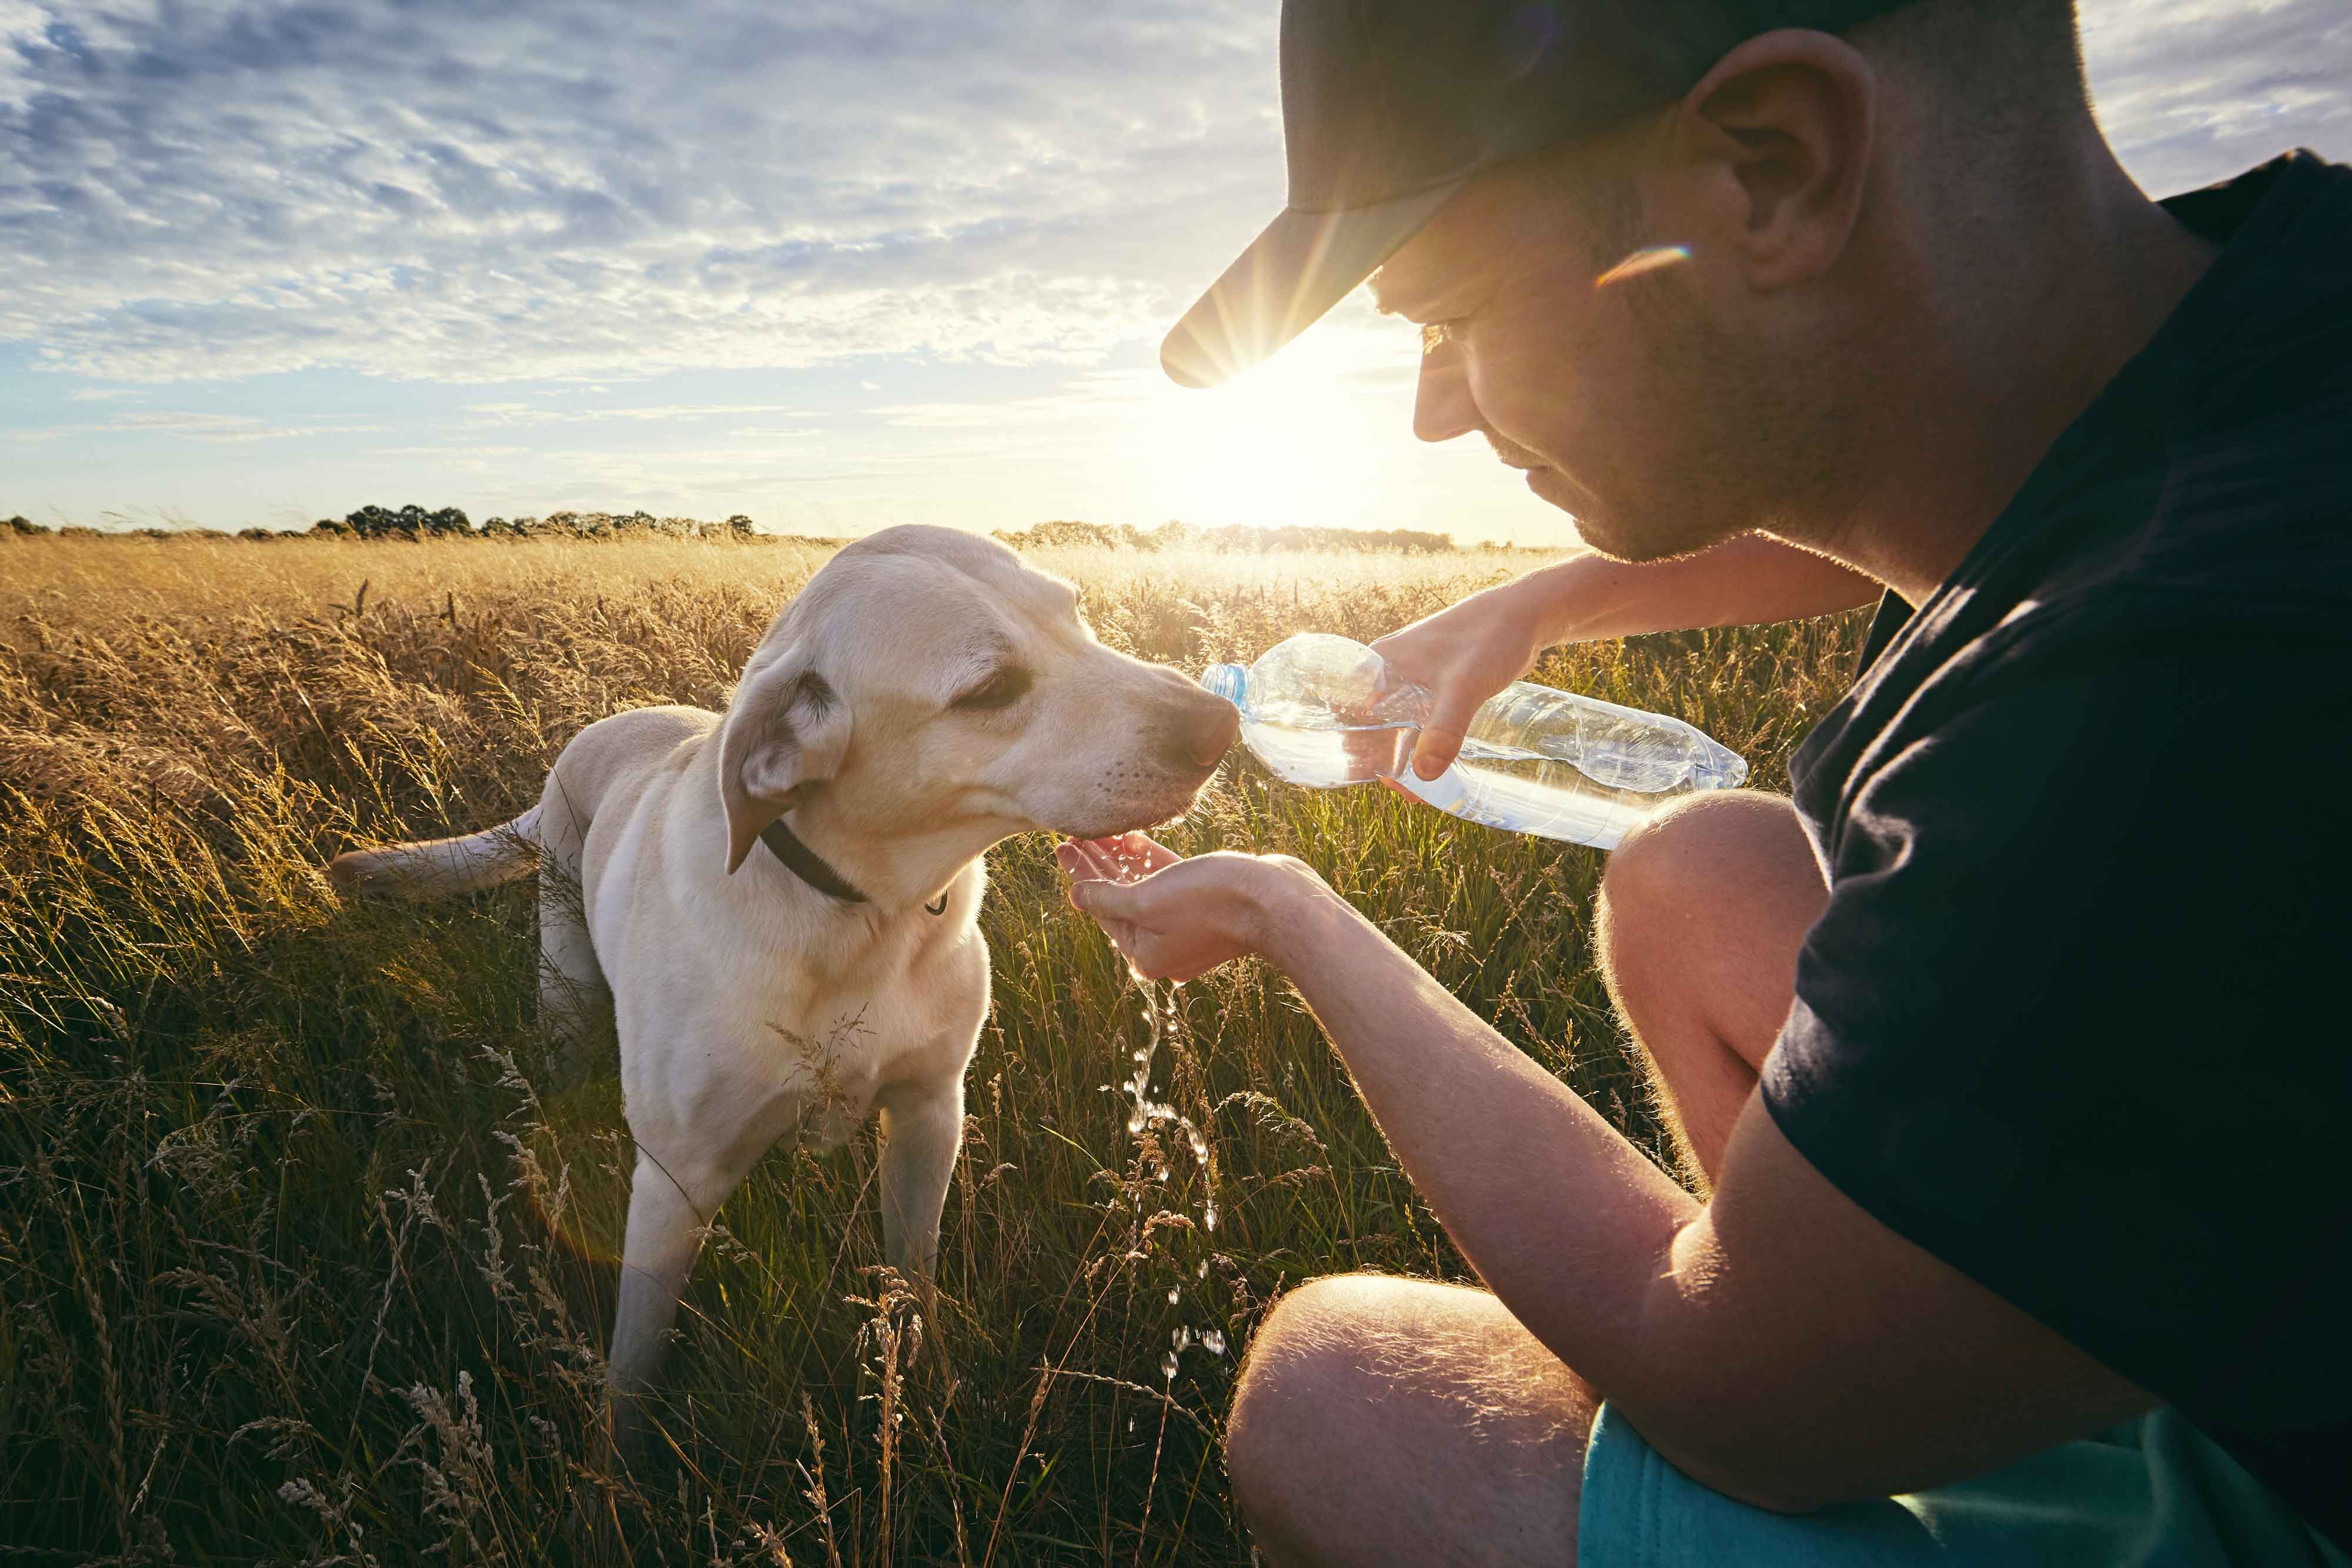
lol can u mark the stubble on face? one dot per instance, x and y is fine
(1512, 454)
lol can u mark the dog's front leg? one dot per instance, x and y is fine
(922, 1130)
(671, 1204)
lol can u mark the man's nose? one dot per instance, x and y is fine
(1443, 407)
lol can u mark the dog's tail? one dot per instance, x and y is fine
(442, 868)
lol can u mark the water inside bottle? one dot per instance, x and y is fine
(1594, 772)
(1528, 792)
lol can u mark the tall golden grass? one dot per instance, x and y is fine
(299, 1263)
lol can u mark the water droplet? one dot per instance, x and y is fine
(1171, 1295)
(1182, 1339)
(1130, 1422)
(1208, 1217)
(1168, 1365)
(1203, 1272)
(1214, 1342)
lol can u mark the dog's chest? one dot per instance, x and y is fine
(816, 1036)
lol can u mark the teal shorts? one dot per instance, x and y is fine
(2154, 1493)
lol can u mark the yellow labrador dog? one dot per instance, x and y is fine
(775, 907)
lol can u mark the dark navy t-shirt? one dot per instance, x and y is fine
(2075, 1019)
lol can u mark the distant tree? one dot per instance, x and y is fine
(740, 526)
(329, 528)
(24, 526)
(411, 522)
(263, 534)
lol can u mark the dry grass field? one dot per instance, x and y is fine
(298, 1263)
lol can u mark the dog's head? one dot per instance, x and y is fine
(926, 681)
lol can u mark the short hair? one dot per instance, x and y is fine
(2002, 61)
(2001, 84)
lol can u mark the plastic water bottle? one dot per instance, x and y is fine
(1325, 711)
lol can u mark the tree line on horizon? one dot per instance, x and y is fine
(414, 522)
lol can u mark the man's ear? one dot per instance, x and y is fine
(786, 731)
(1784, 125)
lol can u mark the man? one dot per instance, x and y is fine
(2004, 1048)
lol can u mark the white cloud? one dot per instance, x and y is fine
(505, 413)
(216, 188)
(2190, 91)
(223, 427)
(596, 192)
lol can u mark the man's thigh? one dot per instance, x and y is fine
(1383, 1420)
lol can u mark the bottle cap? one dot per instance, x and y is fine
(1230, 682)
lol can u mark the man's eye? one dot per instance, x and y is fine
(1002, 689)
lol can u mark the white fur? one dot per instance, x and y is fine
(750, 1008)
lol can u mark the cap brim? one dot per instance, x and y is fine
(1302, 264)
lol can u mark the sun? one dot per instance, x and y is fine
(1306, 439)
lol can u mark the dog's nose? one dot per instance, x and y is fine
(1200, 732)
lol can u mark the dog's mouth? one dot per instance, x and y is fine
(1153, 809)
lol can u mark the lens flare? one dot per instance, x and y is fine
(1649, 259)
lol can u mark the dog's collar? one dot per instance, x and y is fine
(811, 868)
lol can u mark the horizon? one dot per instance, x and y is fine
(832, 270)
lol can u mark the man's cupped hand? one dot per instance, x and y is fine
(1174, 918)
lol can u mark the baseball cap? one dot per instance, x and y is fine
(1390, 107)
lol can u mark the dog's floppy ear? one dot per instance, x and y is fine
(786, 731)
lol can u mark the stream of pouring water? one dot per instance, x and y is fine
(1164, 1016)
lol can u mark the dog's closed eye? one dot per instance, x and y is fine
(1002, 690)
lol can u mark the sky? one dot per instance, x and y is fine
(834, 263)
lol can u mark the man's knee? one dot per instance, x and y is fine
(1329, 1350)
(1299, 1362)
(1376, 1412)
(1694, 850)
(1719, 857)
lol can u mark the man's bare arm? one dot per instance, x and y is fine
(1778, 1343)
(1468, 651)
(1743, 581)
